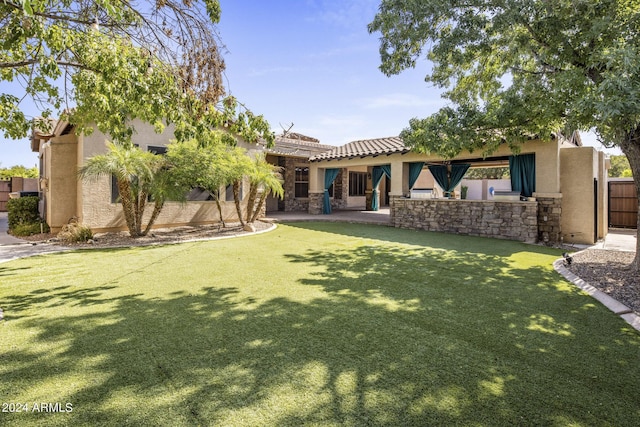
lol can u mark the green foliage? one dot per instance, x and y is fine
(23, 210)
(517, 70)
(75, 233)
(620, 167)
(135, 172)
(30, 229)
(488, 173)
(266, 177)
(19, 171)
(159, 62)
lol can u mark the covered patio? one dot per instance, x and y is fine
(530, 209)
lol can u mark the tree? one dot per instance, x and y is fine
(619, 167)
(208, 165)
(488, 173)
(266, 177)
(51, 47)
(19, 171)
(518, 69)
(135, 171)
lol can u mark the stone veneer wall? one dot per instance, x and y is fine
(511, 220)
(315, 203)
(290, 201)
(549, 218)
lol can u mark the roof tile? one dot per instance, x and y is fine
(364, 147)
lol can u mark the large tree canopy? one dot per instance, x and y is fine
(515, 69)
(113, 61)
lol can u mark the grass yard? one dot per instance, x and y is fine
(312, 324)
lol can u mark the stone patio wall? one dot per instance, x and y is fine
(513, 220)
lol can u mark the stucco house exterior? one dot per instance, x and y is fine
(566, 194)
(567, 201)
(94, 203)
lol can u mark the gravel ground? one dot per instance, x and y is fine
(156, 236)
(610, 272)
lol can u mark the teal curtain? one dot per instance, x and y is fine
(414, 172)
(441, 176)
(329, 176)
(376, 175)
(448, 181)
(457, 173)
(523, 173)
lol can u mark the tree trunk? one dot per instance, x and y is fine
(216, 196)
(141, 202)
(631, 148)
(251, 200)
(124, 187)
(157, 207)
(263, 197)
(236, 199)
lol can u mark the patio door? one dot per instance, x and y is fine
(387, 188)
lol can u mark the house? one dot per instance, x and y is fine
(559, 195)
(292, 152)
(564, 184)
(94, 203)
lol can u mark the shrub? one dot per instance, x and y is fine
(23, 210)
(29, 229)
(74, 233)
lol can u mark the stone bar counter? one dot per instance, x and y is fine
(512, 220)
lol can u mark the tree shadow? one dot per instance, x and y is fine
(496, 348)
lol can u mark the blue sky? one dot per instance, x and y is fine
(311, 63)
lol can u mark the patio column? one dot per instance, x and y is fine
(399, 185)
(316, 188)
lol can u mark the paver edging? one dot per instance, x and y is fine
(612, 304)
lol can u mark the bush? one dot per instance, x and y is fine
(29, 229)
(74, 233)
(23, 210)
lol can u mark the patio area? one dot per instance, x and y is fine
(380, 217)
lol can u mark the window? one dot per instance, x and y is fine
(229, 192)
(157, 150)
(357, 183)
(302, 182)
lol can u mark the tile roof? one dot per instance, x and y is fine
(362, 148)
(297, 147)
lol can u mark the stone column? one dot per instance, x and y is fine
(549, 217)
(315, 203)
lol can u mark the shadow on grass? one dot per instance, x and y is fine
(486, 343)
(447, 241)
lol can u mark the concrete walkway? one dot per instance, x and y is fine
(618, 239)
(7, 239)
(13, 248)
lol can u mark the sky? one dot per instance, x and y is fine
(311, 64)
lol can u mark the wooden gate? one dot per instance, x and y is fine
(623, 204)
(5, 189)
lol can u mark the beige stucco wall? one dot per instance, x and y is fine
(59, 180)
(547, 166)
(93, 204)
(580, 165)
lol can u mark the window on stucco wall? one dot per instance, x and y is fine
(357, 183)
(302, 182)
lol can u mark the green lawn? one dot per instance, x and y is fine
(313, 324)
